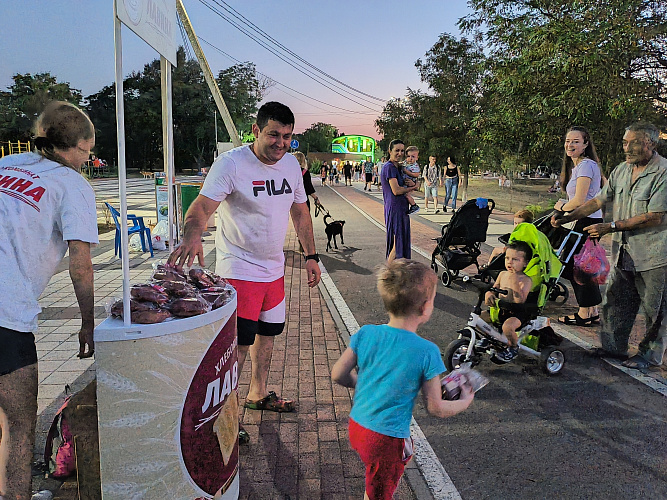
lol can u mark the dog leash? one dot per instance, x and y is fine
(319, 209)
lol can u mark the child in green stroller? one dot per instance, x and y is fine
(513, 324)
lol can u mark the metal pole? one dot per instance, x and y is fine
(208, 75)
(168, 141)
(215, 119)
(120, 130)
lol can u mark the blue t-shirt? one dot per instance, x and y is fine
(393, 364)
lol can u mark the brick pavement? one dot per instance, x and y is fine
(305, 454)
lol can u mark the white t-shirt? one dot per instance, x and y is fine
(253, 214)
(43, 205)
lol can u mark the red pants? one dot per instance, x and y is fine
(383, 457)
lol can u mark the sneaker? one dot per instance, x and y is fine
(482, 343)
(364, 188)
(437, 211)
(413, 209)
(42, 495)
(444, 208)
(508, 354)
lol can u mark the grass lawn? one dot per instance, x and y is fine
(519, 196)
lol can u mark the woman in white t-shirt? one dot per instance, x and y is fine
(582, 179)
(48, 208)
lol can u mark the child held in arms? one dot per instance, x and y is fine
(394, 364)
(411, 173)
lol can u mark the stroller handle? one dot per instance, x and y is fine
(483, 287)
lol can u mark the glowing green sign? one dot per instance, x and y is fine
(354, 144)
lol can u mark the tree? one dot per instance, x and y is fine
(242, 88)
(193, 113)
(317, 138)
(441, 123)
(553, 64)
(26, 99)
(454, 71)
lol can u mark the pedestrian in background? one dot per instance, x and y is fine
(368, 174)
(637, 189)
(387, 365)
(307, 179)
(47, 209)
(452, 181)
(432, 179)
(324, 173)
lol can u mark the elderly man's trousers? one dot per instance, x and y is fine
(628, 293)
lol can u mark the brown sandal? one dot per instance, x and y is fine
(272, 402)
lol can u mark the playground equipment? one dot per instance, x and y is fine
(13, 148)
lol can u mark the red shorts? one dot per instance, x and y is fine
(260, 309)
(383, 457)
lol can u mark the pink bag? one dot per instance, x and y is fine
(59, 451)
(591, 264)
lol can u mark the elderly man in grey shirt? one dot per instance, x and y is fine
(637, 189)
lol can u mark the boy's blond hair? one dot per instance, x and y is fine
(405, 286)
(410, 149)
(524, 215)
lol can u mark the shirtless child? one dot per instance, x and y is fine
(518, 286)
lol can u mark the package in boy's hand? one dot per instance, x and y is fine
(452, 383)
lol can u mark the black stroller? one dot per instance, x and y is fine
(459, 245)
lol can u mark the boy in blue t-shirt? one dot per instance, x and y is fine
(394, 363)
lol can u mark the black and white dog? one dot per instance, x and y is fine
(333, 229)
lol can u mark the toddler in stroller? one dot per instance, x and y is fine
(459, 245)
(511, 312)
(534, 336)
(489, 272)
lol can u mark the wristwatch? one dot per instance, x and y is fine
(315, 257)
(613, 226)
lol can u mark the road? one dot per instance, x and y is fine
(592, 432)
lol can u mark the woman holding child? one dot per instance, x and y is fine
(582, 177)
(396, 217)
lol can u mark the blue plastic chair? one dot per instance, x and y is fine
(136, 227)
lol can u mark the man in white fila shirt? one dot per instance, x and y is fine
(255, 189)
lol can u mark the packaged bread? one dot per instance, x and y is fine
(226, 426)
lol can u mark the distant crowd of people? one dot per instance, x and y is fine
(347, 171)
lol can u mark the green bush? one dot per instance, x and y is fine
(315, 166)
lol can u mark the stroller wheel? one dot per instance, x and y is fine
(455, 353)
(559, 294)
(446, 278)
(552, 360)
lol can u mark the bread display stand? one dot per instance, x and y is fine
(167, 398)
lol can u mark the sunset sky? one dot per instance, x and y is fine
(370, 45)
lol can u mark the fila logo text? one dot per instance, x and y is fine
(269, 186)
